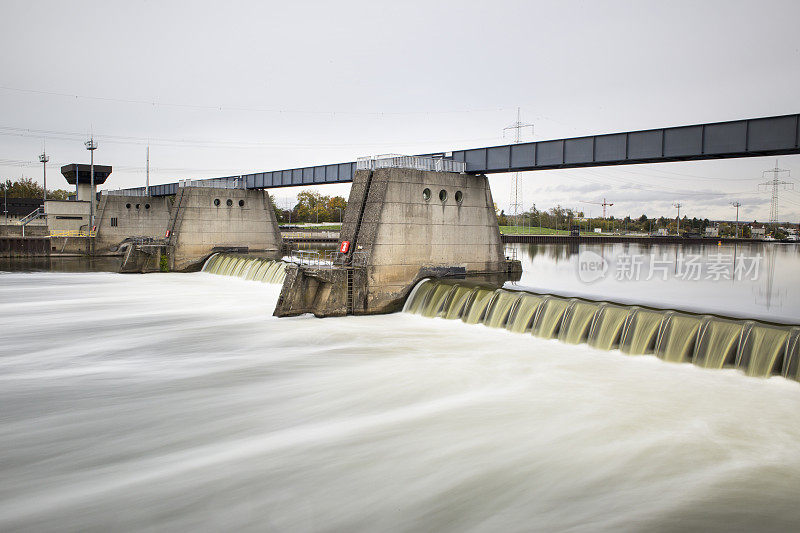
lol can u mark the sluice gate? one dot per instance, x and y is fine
(246, 267)
(756, 348)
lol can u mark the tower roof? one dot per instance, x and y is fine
(80, 172)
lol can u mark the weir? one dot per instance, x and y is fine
(756, 348)
(401, 225)
(246, 267)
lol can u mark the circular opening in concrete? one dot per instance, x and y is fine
(229, 202)
(216, 201)
(459, 196)
(128, 206)
(137, 206)
(241, 203)
(147, 206)
(426, 194)
(443, 195)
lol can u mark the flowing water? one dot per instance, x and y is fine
(757, 348)
(176, 402)
(245, 267)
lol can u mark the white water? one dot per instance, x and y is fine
(176, 402)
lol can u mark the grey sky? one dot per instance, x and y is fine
(223, 88)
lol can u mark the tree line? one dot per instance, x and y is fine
(561, 218)
(312, 207)
(27, 188)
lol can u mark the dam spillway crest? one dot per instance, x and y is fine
(249, 268)
(756, 348)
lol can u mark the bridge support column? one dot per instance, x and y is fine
(207, 220)
(404, 225)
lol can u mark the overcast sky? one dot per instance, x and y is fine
(220, 88)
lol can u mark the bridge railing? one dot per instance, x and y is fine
(237, 182)
(328, 259)
(410, 161)
(139, 191)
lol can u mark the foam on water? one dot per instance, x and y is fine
(177, 402)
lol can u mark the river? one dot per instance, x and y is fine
(752, 280)
(176, 402)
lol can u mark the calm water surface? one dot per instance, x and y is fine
(750, 281)
(176, 402)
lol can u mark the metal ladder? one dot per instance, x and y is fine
(350, 297)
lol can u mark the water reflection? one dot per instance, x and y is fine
(750, 280)
(60, 264)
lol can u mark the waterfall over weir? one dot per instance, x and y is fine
(246, 267)
(757, 348)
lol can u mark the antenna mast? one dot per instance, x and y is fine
(678, 205)
(147, 179)
(737, 205)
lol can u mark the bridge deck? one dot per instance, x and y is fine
(766, 136)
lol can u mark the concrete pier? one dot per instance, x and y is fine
(186, 228)
(206, 220)
(401, 225)
(120, 218)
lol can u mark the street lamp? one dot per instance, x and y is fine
(340, 215)
(737, 205)
(91, 145)
(43, 159)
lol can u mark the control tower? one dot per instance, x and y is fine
(79, 175)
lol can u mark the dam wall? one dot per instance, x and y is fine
(401, 225)
(205, 220)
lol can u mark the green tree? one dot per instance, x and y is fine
(27, 188)
(315, 207)
(335, 207)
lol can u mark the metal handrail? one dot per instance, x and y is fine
(331, 259)
(36, 213)
(436, 164)
(73, 233)
(124, 192)
(237, 182)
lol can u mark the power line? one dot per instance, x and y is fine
(229, 107)
(123, 139)
(626, 183)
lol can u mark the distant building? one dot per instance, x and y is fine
(662, 232)
(14, 209)
(712, 231)
(758, 233)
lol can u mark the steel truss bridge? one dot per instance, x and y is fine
(766, 136)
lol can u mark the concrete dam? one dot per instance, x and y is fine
(412, 226)
(428, 243)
